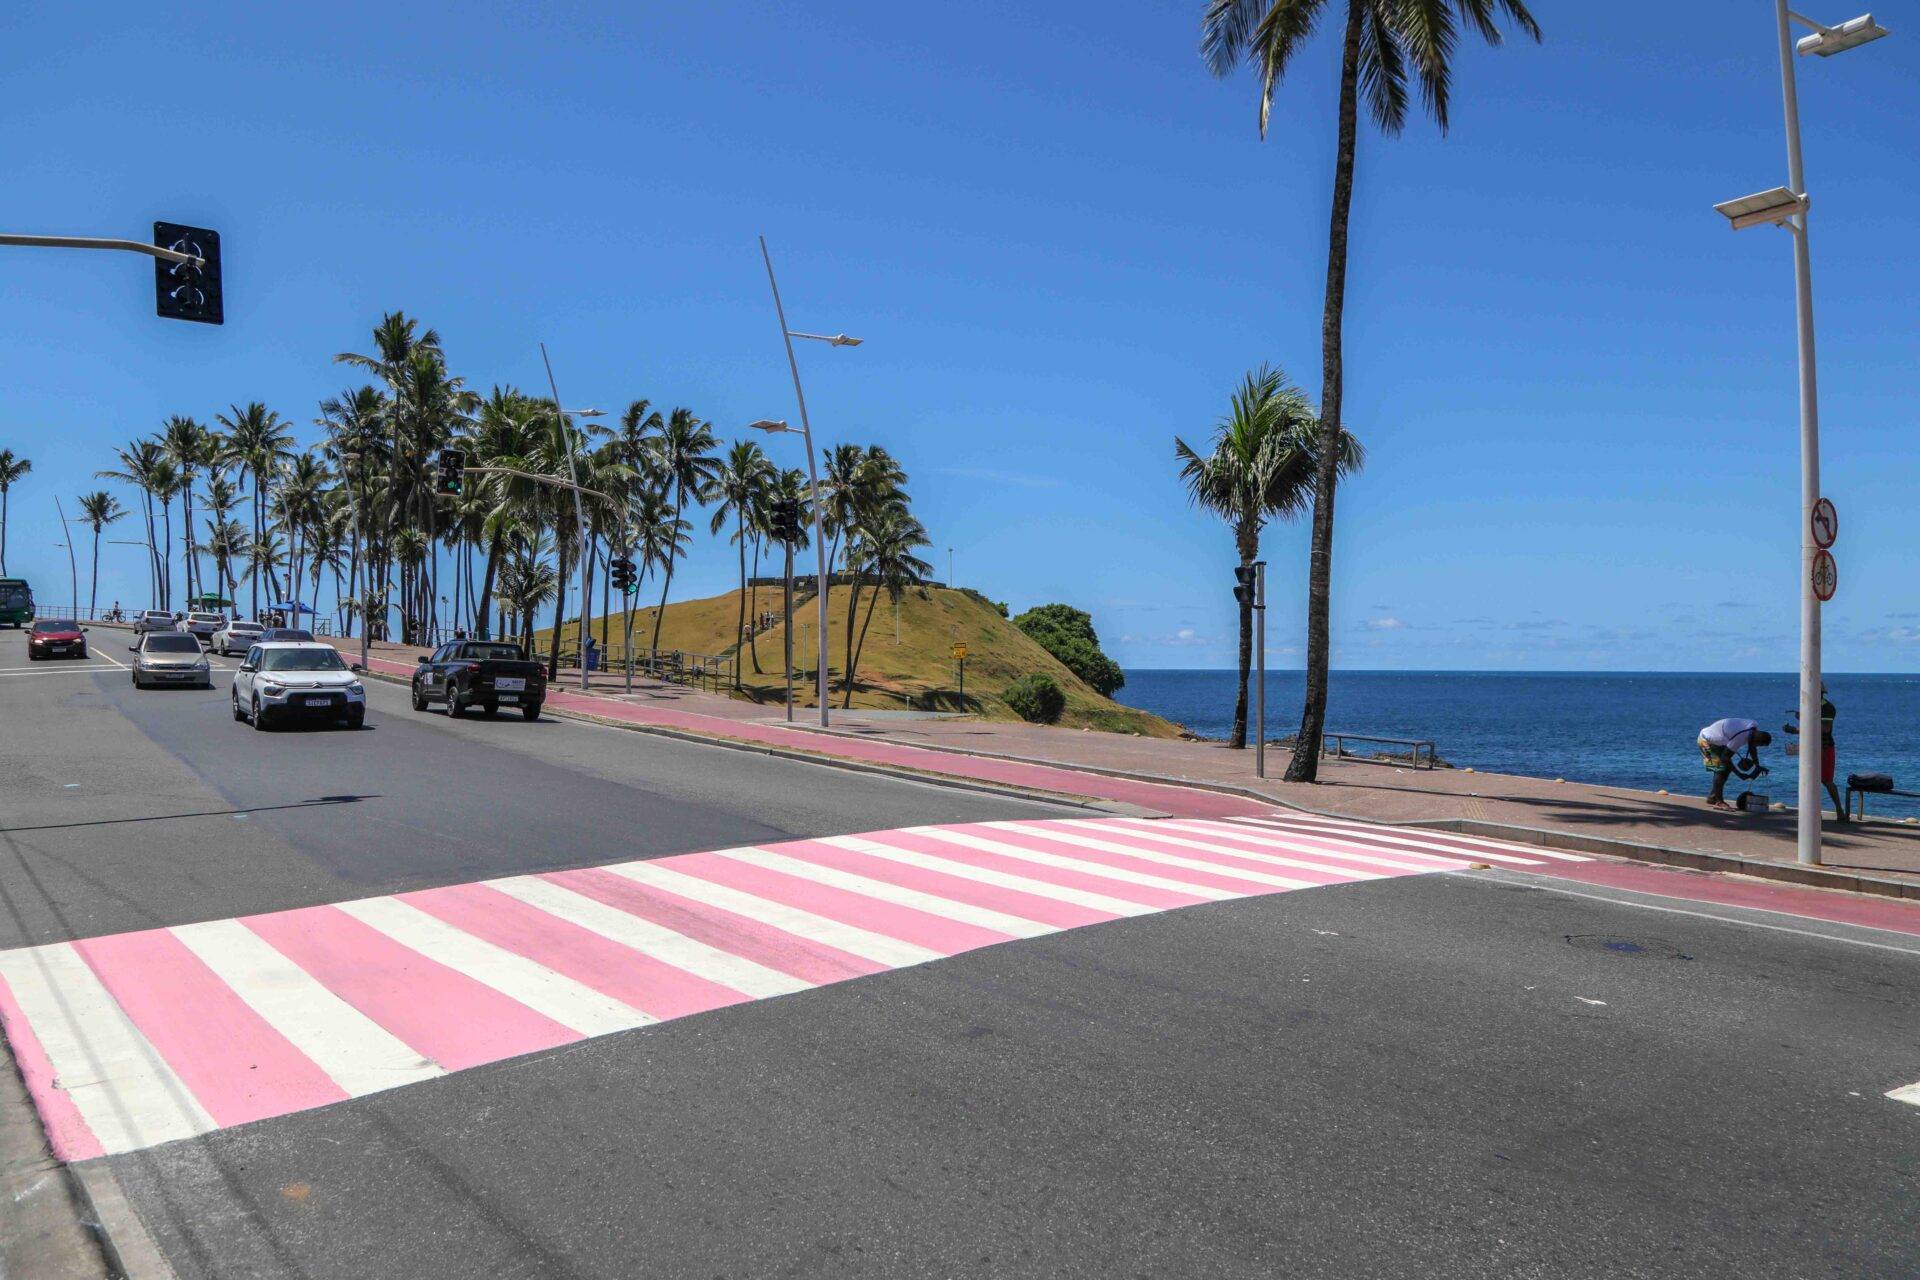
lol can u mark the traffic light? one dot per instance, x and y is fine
(622, 575)
(786, 519)
(453, 466)
(1244, 576)
(181, 290)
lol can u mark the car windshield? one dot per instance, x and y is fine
(243, 626)
(206, 617)
(301, 660)
(15, 597)
(502, 652)
(287, 633)
(160, 614)
(56, 624)
(172, 644)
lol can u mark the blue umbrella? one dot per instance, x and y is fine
(291, 606)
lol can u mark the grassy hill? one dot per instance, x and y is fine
(915, 670)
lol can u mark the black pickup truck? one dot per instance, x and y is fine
(480, 673)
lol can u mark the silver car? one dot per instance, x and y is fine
(236, 637)
(170, 658)
(294, 681)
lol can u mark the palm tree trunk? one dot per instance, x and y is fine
(861, 648)
(3, 530)
(93, 593)
(753, 641)
(559, 605)
(666, 582)
(853, 604)
(1305, 765)
(486, 580)
(1239, 739)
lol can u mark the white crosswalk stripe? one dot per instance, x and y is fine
(360, 1055)
(1084, 866)
(886, 891)
(992, 875)
(1168, 834)
(1160, 855)
(1387, 859)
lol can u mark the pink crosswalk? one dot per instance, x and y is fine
(142, 1038)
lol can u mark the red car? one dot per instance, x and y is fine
(56, 638)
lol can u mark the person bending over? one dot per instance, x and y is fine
(1729, 747)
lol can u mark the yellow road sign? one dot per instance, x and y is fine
(959, 651)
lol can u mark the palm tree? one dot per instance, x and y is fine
(1262, 464)
(739, 490)
(137, 463)
(11, 469)
(1384, 42)
(164, 479)
(257, 441)
(657, 536)
(527, 581)
(189, 446)
(356, 446)
(229, 545)
(684, 461)
(790, 492)
(97, 511)
(867, 491)
(884, 551)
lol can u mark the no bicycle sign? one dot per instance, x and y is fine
(1826, 575)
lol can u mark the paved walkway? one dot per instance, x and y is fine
(1042, 757)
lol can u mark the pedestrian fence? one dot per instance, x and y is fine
(1335, 744)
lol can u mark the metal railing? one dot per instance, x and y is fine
(1340, 740)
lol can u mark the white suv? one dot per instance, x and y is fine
(237, 636)
(285, 680)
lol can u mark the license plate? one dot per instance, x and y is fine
(57, 648)
(509, 697)
(315, 700)
(509, 684)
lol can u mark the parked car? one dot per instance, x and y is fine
(283, 680)
(237, 636)
(170, 658)
(154, 620)
(286, 635)
(202, 625)
(480, 673)
(56, 638)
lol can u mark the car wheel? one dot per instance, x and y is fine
(456, 705)
(238, 714)
(531, 710)
(357, 718)
(419, 697)
(259, 717)
(32, 656)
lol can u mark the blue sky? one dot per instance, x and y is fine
(1064, 243)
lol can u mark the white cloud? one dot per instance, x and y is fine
(1388, 623)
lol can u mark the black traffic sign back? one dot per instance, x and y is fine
(181, 290)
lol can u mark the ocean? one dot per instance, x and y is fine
(1627, 729)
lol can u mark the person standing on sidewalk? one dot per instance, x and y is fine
(1721, 744)
(1828, 754)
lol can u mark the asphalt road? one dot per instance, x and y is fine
(1446, 1075)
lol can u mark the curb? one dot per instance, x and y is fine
(1667, 855)
(1002, 790)
(130, 1251)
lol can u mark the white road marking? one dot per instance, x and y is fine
(1549, 886)
(357, 1052)
(860, 942)
(988, 875)
(569, 1003)
(118, 1081)
(1584, 1000)
(1328, 862)
(1512, 846)
(1347, 849)
(1378, 836)
(1907, 1093)
(640, 934)
(1161, 856)
(887, 891)
(1082, 865)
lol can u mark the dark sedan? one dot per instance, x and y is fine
(56, 638)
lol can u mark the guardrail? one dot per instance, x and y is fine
(1340, 740)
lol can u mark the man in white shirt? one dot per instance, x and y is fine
(1721, 744)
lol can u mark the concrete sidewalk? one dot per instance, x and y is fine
(1157, 773)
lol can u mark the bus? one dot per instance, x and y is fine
(16, 602)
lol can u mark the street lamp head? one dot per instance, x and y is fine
(842, 340)
(769, 424)
(1848, 35)
(1774, 206)
(585, 413)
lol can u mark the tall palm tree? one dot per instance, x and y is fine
(11, 469)
(229, 545)
(97, 511)
(189, 446)
(872, 488)
(683, 456)
(657, 536)
(1384, 42)
(164, 479)
(137, 462)
(884, 551)
(790, 492)
(357, 447)
(257, 441)
(739, 490)
(1262, 463)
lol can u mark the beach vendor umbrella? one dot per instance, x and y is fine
(210, 602)
(290, 606)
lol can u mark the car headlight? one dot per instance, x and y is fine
(273, 690)
(356, 687)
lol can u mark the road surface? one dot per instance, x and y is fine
(1214, 1049)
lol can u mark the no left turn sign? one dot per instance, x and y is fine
(1826, 523)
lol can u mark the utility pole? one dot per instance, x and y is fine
(1260, 685)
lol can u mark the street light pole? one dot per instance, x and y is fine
(1807, 828)
(813, 476)
(579, 514)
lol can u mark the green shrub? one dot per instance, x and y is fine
(1067, 633)
(1036, 698)
(998, 606)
